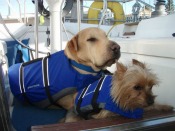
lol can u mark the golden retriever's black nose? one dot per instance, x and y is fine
(115, 47)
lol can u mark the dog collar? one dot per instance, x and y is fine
(83, 67)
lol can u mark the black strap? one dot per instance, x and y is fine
(46, 82)
(32, 61)
(22, 83)
(84, 115)
(94, 103)
(21, 73)
(45, 75)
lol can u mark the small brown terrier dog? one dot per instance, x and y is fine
(131, 91)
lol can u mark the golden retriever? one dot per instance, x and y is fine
(87, 54)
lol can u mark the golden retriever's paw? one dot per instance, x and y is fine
(71, 116)
(62, 120)
(73, 119)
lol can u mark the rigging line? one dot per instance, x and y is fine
(25, 33)
(1, 19)
(14, 10)
(19, 10)
(65, 31)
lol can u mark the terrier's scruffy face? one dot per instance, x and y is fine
(132, 86)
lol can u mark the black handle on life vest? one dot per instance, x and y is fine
(82, 114)
(46, 81)
(45, 76)
(21, 79)
(94, 103)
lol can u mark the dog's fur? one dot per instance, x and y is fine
(90, 47)
(131, 89)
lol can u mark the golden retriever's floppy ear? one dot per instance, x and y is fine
(121, 69)
(73, 44)
(136, 62)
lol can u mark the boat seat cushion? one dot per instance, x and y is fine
(25, 116)
(14, 50)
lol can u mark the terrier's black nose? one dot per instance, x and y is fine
(150, 101)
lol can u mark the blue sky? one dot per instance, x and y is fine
(30, 6)
(14, 3)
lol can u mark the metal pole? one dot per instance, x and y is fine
(78, 14)
(55, 7)
(9, 11)
(25, 11)
(36, 29)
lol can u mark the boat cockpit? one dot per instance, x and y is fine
(141, 36)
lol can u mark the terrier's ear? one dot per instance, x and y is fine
(136, 62)
(73, 44)
(121, 69)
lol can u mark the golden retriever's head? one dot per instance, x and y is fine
(92, 47)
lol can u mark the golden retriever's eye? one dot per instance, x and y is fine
(92, 39)
(138, 88)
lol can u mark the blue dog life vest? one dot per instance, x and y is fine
(97, 96)
(45, 80)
